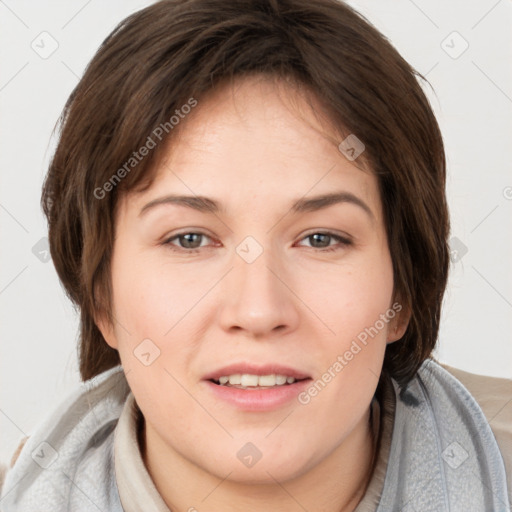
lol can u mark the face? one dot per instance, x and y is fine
(259, 279)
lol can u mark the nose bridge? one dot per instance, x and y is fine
(257, 300)
(253, 265)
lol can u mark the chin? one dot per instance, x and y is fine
(265, 466)
(262, 475)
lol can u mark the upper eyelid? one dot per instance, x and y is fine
(340, 238)
(327, 232)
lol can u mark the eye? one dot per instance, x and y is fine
(321, 239)
(189, 242)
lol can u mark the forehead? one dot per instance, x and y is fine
(262, 140)
(280, 119)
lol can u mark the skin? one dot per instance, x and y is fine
(255, 151)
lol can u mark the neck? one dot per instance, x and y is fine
(336, 484)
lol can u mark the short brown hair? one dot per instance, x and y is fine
(163, 55)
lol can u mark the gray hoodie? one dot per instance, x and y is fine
(443, 455)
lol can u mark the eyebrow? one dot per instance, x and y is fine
(208, 205)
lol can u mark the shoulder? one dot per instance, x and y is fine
(494, 396)
(4, 468)
(79, 432)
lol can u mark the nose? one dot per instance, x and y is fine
(258, 298)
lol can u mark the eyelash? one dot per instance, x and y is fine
(344, 241)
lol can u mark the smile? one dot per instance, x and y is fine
(250, 381)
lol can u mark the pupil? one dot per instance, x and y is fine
(318, 237)
(189, 242)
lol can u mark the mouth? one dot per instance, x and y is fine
(254, 382)
(251, 375)
(250, 387)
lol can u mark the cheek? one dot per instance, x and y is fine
(351, 298)
(352, 302)
(157, 299)
(352, 353)
(151, 298)
(152, 306)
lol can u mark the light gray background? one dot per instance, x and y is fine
(472, 101)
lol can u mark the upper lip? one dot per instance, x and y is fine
(255, 369)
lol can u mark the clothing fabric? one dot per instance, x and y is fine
(67, 464)
(494, 396)
(435, 452)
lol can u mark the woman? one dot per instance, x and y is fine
(247, 204)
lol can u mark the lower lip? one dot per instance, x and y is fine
(258, 399)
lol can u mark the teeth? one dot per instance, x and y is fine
(280, 379)
(267, 380)
(248, 380)
(235, 379)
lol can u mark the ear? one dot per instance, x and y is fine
(103, 323)
(398, 325)
(106, 328)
